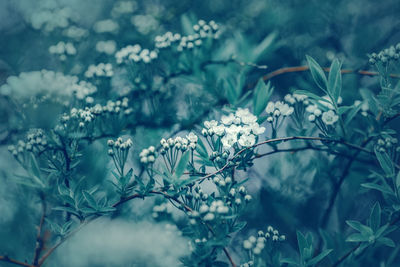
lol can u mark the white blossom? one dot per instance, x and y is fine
(329, 117)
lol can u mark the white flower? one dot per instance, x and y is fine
(247, 244)
(300, 97)
(249, 119)
(290, 99)
(246, 130)
(219, 130)
(228, 120)
(192, 137)
(256, 129)
(286, 110)
(270, 107)
(228, 140)
(247, 140)
(311, 117)
(241, 113)
(329, 117)
(311, 108)
(210, 124)
(209, 217)
(317, 112)
(233, 129)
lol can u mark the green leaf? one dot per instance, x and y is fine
(343, 109)
(352, 114)
(35, 167)
(335, 80)
(90, 199)
(54, 226)
(67, 199)
(385, 162)
(66, 209)
(317, 73)
(398, 181)
(66, 227)
(359, 227)
(318, 258)
(239, 226)
(262, 93)
(289, 261)
(260, 49)
(302, 243)
(375, 217)
(357, 237)
(386, 241)
(383, 189)
(230, 94)
(180, 168)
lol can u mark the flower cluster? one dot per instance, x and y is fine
(255, 245)
(277, 109)
(296, 98)
(36, 142)
(118, 151)
(385, 56)
(144, 24)
(74, 32)
(106, 47)
(51, 19)
(240, 128)
(100, 70)
(57, 86)
(328, 117)
(179, 143)
(387, 144)
(136, 54)
(148, 155)
(202, 30)
(63, 50)
(106, 26)
(123, 7)
(80, 118)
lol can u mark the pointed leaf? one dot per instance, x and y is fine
(317, 73)
(90, 199)
(261, 96)
(335, 80)
(180, 168)
(375, 217)
(318, 258)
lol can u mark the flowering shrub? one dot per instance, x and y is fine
(153, 144)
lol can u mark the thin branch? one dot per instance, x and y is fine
(284, 139)
(306, 68)
(39, 239)
(297, 149)
(338, 185)
(10, 260)
(345, 256)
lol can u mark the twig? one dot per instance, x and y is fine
(341, 259)
(10, 260)
(284, 139)
(305, 68)
(39, 239)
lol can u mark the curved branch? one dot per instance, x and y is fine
(306, 68)
(284, 139)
